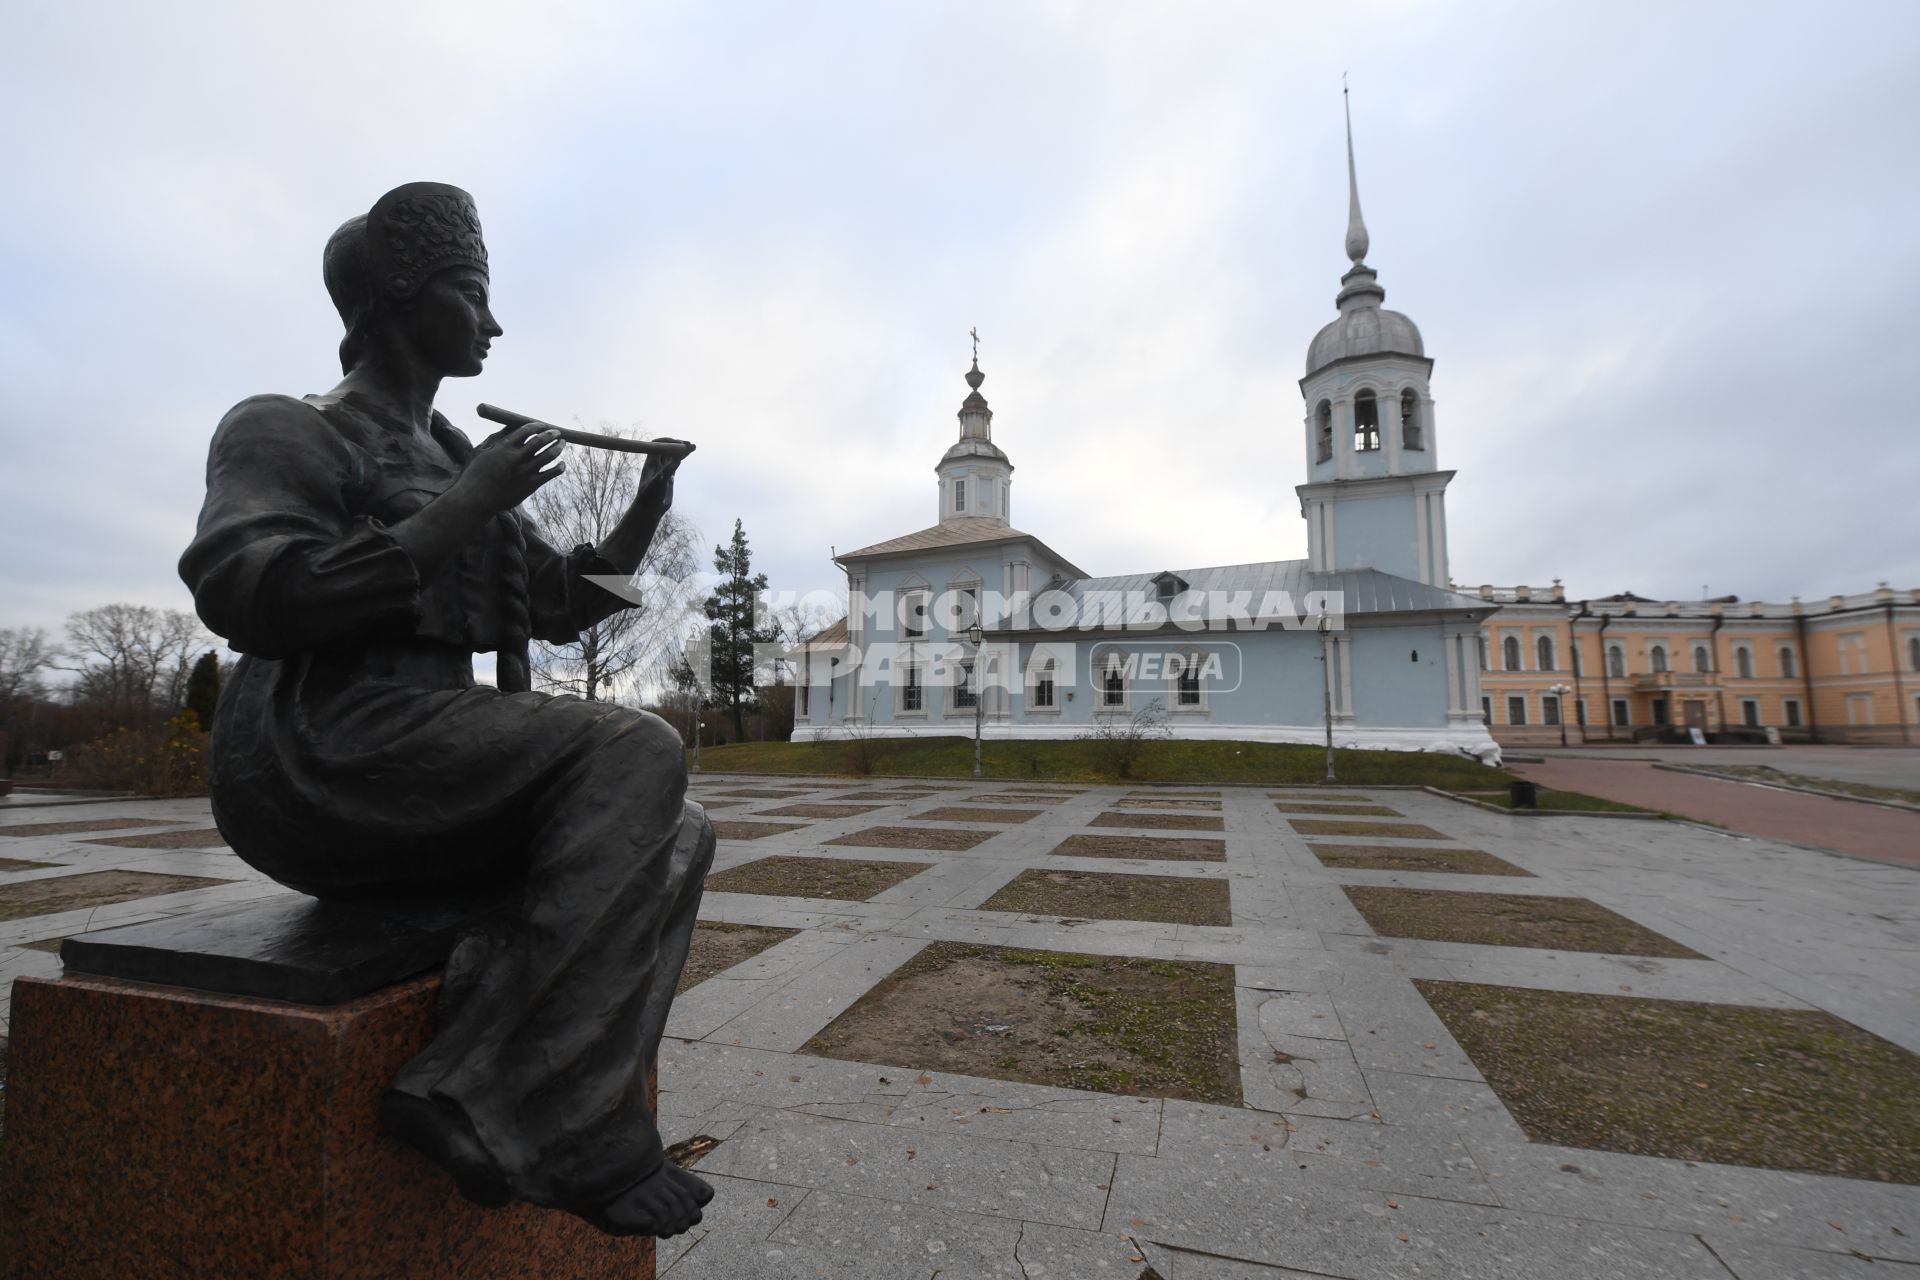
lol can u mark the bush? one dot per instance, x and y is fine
(1118, 738)
(167, 760)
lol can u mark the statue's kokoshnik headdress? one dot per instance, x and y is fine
(387, 254)
(384, 257)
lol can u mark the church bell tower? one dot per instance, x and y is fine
(976, 477)
(1376, 498)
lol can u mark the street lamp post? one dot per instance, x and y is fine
(1326, 672)
(974, 637)
(1560, 692)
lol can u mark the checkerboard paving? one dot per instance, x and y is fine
(1369, 1145)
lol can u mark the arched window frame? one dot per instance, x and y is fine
(1913, 653)
(1043, 684)
(1743, 661)
(1616, 662)
(1543, 654)
(1413, 434)
(1114, 694)
(1701, 662)
(1366, 421)
(1323, 432)
(1188, 681)
(1510, 652)
(1657, 659)
(1789, 665)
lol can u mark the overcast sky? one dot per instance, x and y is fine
(1663, 256)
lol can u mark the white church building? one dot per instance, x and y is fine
(972, 616)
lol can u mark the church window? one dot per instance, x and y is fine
(1510, 654)
(1113, 687)
(1543, 651)
(913, 695)
(1616, 662)
(1657, 659)
(1366, 422)
(1743, 662)
(806, 701)
(1786, 661)
(1700, 663)
(1187, 683)
(959, 496)
(986, 495)
(1043, 686)
(964, 694)
(1411, 437)
(1323, 433)
(913, 615)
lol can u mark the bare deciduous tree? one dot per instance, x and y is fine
(583, 506)
(131, 660)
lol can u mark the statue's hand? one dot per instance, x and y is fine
(509, 465)
(655, 490)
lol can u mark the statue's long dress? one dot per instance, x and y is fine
(355, 758)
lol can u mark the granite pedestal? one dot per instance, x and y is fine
(164, 1131)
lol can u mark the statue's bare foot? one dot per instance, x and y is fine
(661, 1204)
(702, 1193)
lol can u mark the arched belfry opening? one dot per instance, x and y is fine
(1366, 422)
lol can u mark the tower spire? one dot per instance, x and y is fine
(1356, 226)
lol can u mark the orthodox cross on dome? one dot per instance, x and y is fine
(974, 333)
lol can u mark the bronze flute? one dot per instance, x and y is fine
(593, 440)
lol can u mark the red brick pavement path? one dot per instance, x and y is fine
(1844, 826)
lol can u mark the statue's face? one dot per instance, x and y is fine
(450, 325)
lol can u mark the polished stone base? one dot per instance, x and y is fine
(163, 1132)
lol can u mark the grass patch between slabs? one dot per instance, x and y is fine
(1161, 821)
(203, 838)
(1374, 830)
(981, 813)
(718, 947)
(90, 889)
(1393, 857)
(1193, 803)
(1508, 920)
(23, 864)
(1163, 848)
(820, 810)
(1112, 1024)
(739, 829)
(87, 824)
(1794, 1089)
(1101, 895)
(846, 879)
(1333, 810)
(944, 839)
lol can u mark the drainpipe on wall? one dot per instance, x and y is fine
(1713, 653)
(1806, 676)
(1606, 672)
(1899, 688)
(1573, 644)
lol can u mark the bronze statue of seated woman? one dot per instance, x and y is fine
(358, 550)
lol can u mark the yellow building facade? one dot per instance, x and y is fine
(1626, 668)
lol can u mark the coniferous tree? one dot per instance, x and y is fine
(731, 628)
(203, 689)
